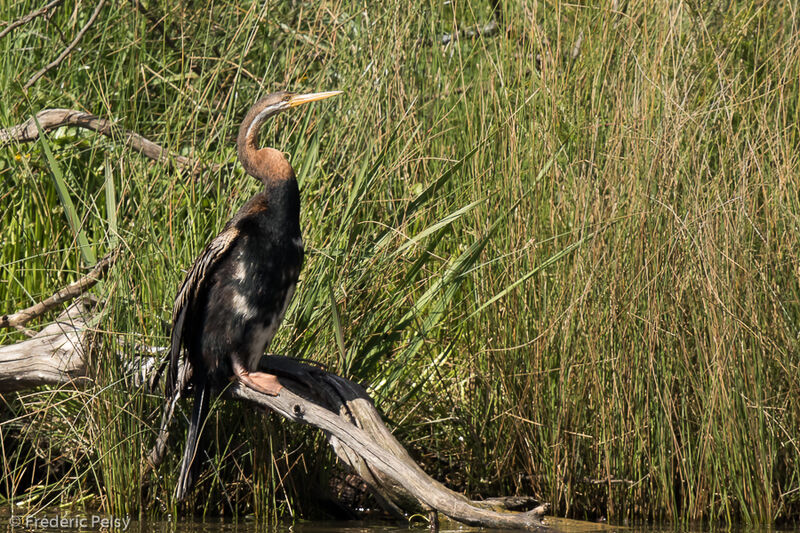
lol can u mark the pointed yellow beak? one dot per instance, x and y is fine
(300, 99)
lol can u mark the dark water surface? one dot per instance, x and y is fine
(52, 522)
(558, 524)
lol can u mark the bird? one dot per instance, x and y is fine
(234, 296)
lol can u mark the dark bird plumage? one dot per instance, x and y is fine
(236, 293)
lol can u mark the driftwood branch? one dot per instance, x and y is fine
(345, 412)
(50, 119)
(29, 17)
(54, 356)
(57, 61)
(337, 406)
(73, 290)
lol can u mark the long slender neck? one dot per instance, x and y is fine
(266, 164)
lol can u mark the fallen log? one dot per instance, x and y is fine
(53, 356)
(346, 413)
(342, 409)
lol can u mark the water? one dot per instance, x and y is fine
(558, 524)
(52, 522)
(562, 525)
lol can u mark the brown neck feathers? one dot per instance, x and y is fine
(266, 164)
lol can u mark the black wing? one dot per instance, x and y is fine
(194, 283)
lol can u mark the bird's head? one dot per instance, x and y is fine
(268, 164)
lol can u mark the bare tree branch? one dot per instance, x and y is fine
(50, 119)
(29, 17)
(57, 61)
(20, 318)
(310, 395)
(54, 356)
(299, 401)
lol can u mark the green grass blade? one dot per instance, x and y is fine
(111, 207)
(550, 260)
(337, 330)
(66, 201)
(448, 220)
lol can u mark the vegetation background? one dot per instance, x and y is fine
(564, 254)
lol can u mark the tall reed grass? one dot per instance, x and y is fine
(564, 257)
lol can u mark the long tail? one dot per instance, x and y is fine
(176, 383)
(156, 455)
(191, 462)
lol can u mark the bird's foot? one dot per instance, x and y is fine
(261, 382)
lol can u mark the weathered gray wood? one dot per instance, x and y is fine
(339, 407)
(50, 119)
(295, 403)
(73, 290)
(54, 356)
